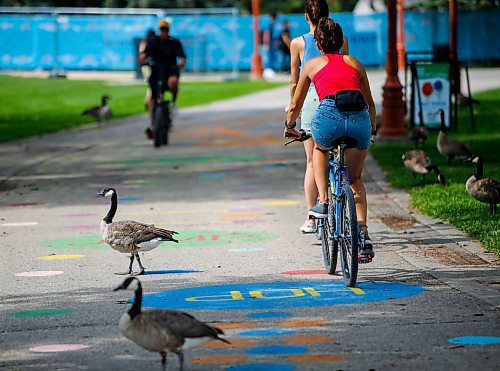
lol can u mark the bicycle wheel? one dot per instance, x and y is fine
(159, 125)
(167, 123)
(349, 237)
(330, 246)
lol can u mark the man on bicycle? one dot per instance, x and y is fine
(167, 58)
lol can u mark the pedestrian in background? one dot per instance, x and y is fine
(269, 42)
(283, 45)
(302, 49)
(146, 64)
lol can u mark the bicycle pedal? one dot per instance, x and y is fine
(364, 259)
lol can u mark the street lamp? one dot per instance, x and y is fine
(393, 114)
(256, 71)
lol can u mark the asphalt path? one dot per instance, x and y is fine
(429, 300)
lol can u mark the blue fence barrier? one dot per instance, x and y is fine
(224, 42)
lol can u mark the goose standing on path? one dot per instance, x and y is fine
(485, 190)
(130, 237)
(163, 330)
(101, 113)
(417, 161)
(450, 147)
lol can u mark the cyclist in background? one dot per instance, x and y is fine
(331, 73)
(167, 58)
(302, 49)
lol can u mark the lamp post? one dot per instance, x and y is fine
(401, 34)
(256, 70)
(393, 115)
(454, 68)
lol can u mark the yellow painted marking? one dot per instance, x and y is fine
(312, 291)
(239, 216)
(303, 323)
(357, 291)
(234, 343)
(297, 292)
(229, 326)
(61, 256)
(280, 203)
(236, 295)
(218, 359)
(317, 357)
(256, 294)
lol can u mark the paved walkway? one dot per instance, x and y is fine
(235, 194)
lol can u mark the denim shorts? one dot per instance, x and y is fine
(309, 108)
(329, 124)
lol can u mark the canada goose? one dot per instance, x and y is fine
(101, 113)
(417, 161)
(130, 237)
(163, 330)
(464, 101)
(450, 147)
(419, 135)
(485, 190)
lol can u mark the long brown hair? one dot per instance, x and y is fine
(316, 9)
(329, 35)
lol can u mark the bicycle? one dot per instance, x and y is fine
(339, 232)
(162, 120)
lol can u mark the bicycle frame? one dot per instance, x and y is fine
(338, 176)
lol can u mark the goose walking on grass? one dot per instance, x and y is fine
(163, 330)
(450, 147)
(130, 237)
(418, 162)
(485, 190)
(419, 135)
(101, 113)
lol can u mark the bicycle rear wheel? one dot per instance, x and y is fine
(161, 124)
(330, 246)
(349, 237)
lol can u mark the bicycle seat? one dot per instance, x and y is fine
(348, 141)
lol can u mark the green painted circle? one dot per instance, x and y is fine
(187, 160)
(186, 239)
(41, 312)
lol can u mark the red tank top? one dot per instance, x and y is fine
(336, 75)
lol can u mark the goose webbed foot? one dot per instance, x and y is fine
(163, 360)
(140, 273)
(129, 267)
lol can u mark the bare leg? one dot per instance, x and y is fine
(173, 86)
(320, 168)
(355, 160)
(310, 189)
(142, 270)
(151, 105)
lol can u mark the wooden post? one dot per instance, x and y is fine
(401, 35)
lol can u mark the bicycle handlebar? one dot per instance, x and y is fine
(303, 137)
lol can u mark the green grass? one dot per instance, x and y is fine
(452, 203)
(33, 106)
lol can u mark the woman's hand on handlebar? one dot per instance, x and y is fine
(291, 133)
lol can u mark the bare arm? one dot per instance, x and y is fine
(295, 48)
(300, 93)
(345, 47)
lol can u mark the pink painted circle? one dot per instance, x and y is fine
(39, 274)
(305, 272)
(50, 348)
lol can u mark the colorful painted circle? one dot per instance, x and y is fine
(41, 312)
(188, 160)
(475, 340)
(262, 367)
(269, 314)
(186, 239)
(427, 89)
(277, 295)
(438, 85)
(270, 332)
(52, 348)
(277, 349)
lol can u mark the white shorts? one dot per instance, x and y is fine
(311, 104)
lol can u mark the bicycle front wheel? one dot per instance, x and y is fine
(349, 237)
(330, 246)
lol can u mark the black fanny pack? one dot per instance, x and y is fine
(348, 100)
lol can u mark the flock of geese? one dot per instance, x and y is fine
(158, 330)
(485, 190)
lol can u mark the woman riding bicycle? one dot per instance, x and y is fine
(332, 73)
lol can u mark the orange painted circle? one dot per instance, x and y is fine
(227, 326)
(219, 359)
(317, 358)
(302, 323)
(234, 343)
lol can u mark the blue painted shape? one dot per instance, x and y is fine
(128, 199)
(269, 314)
(277, 295)
(278, 164)
(171, 271)
(212, 175)
(271, 332)
(277, 349)
(247, 249)
(262, 367)
(475, 340)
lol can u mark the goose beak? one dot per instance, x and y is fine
(118, 288)
(100, 194)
